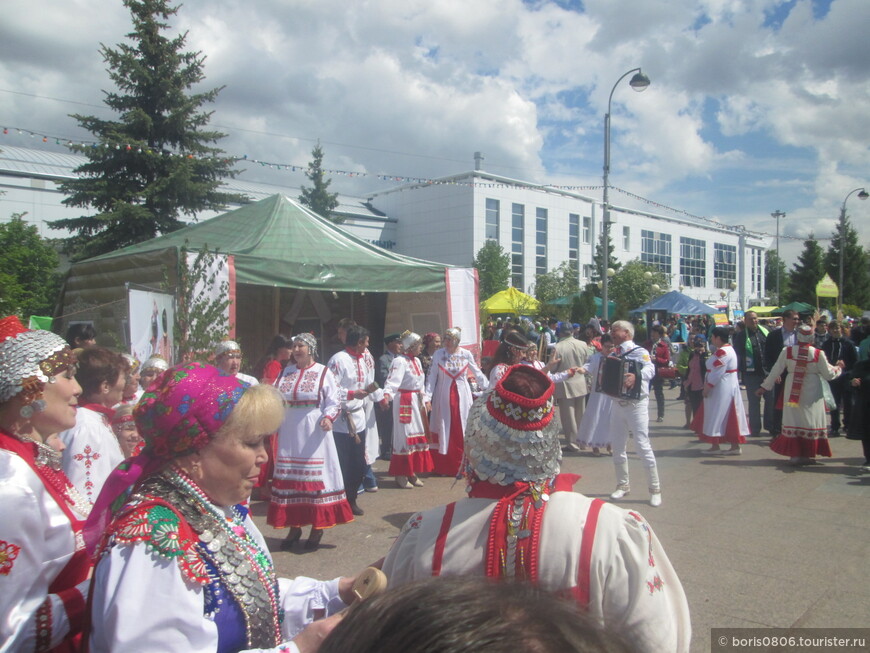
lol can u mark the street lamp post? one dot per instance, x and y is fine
(639, 82)
(862, 195)
(777, 215)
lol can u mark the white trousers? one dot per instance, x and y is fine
(632, 417)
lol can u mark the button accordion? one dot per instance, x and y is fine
(611, 377)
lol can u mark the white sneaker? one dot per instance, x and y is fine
(619, 493)
(655, 499)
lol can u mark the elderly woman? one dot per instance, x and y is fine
(132, 390)
(92, 450)
(722, 417)
(43, 564)
(228, 359)
(405, 387)
(307, 487)
(804, 420)
(447, 384)
(184, 544)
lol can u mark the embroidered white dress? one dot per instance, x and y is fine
(594, 429)
(351, 373)
(143, 602)
(405, 386)
(723, 416)
(633, 588)
(448, 386)
(307, 487)
(92, 452)
(37, 541)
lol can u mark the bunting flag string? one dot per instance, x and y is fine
(400, 179)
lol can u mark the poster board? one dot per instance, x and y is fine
(151, 320)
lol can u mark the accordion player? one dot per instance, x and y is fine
(611, 377)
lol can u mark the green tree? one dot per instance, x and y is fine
(200, 319)
(583, 306)
(598, 266)
(29, 280)
(856, 275)
(806, 273)
(157, 161)
(558, 282)
(318, 198)
(772, 263)
(630, 287)
(493, 269)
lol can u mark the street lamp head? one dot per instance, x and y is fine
(639, 82)
(647, 274)
(656, 287)
(733, 285)
(863, 194)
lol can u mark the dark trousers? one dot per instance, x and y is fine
(842, 397)
(758, 418)
(385, 428)
(658, 386)
(776, 413)
(352, 459)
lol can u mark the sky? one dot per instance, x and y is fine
(754, 105)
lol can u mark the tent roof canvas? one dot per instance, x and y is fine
(676, 302)
(799, 307)
(510, 301)
(278, 242)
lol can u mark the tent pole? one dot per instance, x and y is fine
(276, 302)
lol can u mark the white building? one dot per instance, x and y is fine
(450, 219)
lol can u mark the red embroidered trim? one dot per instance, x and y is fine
(441, 541)
(8, 553)
(585, 567)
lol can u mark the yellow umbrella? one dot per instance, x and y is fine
(511, 301)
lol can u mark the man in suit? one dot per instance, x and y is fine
(571, 394)
(785, 336)
(837, 348)
(749, 345)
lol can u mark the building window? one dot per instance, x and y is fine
(626, 238)
(541, 241)
(757, 271)
(518, 217)
(492, 211)
(574, 241)
(724, 265)
(693, 262)
(587, 271)
(656, 250)
(587, 226)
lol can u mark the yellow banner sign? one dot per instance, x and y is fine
(827, 288)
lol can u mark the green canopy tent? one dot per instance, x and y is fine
(279, 248)
(568, 300)
(799, 307)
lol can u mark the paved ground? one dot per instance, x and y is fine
(756, 543)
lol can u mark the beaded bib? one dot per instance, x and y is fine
(175, 520)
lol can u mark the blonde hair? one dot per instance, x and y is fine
(260, 410)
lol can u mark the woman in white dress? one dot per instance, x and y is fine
(804, 417)
(722, 417)
(405, 387)
(447, 384)
(181, 564)
(44, 568)
(307, 487)
(594, 429)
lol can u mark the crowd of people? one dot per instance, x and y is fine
(121, 479)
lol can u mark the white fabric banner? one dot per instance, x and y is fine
(462, 306)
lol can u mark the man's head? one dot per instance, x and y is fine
(357, 338)
(790, 320)
(622, 331)
(835, 329)
(656, 332)
(393, 344)
(750, 320)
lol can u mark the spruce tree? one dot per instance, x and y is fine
(157, 161)
(772, 261)
(598, 268)
(856, 274)
(806, 273)
(318, 198)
